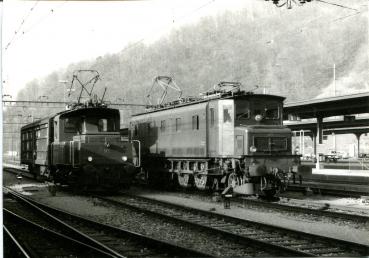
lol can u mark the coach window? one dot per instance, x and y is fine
(162, 126)
(195, 122)
(178, 124)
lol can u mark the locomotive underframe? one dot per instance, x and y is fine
(263, 171)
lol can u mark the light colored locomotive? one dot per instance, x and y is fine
(227, 137)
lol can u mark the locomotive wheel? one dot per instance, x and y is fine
(233, 180)
(269, 194)
(201, 181)
(184, 180)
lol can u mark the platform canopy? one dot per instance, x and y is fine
(326, 107)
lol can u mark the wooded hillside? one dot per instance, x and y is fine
(290, 53)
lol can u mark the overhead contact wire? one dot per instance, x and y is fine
(24, 19)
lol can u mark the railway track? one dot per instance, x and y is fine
(269, 237)
(34, 240)
(110, 241)
(325, 190)
(317, 210)
(320, 211)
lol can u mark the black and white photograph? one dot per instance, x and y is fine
(184, 128)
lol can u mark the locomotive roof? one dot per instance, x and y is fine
(84, 109)
(64, 112)
(236, 96)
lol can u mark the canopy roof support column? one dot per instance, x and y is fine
(358, 135)
(319, 128)
(313, 138)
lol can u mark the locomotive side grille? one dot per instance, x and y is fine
(279, 143)
(267, 144)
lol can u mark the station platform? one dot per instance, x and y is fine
(353, 190)
(340, 172)
(342, 177)
(14, 165)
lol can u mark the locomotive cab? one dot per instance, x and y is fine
(81, 146)
(87, 144)
(256, 146)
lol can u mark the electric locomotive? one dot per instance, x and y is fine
(225, 138)
(80, 147)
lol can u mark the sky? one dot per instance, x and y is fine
(39, 37)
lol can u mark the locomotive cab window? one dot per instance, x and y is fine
(151, 128)
(195, 122)
(56, 130)
(162, 126)
(136, 130)
(72, 125)
(178, 124)
(212, 117)
(96, 125)
(268, 111)
(271, 111)
(227, 118)
(103, 125)
(242, 110)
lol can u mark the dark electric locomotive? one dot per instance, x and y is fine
(227, 137)
(80, 147)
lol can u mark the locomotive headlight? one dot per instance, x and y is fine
(89, 158)
(258, 118)
(253, 149)
(124, 158)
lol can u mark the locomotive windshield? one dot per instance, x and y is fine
(90, 121)
(267, 110)
(86, 125)
(248, 111)
(98, 124)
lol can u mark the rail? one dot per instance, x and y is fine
(317, 210)
(113, 240)
(260, 234)
(15, 242)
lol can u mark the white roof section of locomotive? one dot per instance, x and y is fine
(178, 110)
(208, 99)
